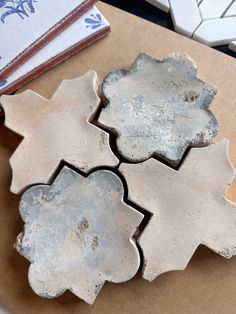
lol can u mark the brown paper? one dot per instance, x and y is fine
(208, 285)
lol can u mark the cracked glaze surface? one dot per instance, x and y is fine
(78, 234)
(158, 108)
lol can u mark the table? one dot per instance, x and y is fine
(208, 285)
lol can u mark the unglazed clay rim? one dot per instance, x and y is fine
(89, 120)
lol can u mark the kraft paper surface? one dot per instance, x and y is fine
(208, 285)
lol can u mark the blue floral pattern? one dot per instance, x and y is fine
(2, 83)
(23, 8)
(94, 21)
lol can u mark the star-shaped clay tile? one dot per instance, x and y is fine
(56, 129)
(158, 108)
(188, 207)
(78, 234)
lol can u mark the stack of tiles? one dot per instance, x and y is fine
(47, 33)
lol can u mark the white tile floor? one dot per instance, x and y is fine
(183, 25)
(213, 9)
(232, 10)
(212, 22)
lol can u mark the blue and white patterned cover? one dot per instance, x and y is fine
(89, 23)
(23, 22)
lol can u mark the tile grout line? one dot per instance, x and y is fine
(197, 27)
(200, 2)
(200, 11)
(228, 7)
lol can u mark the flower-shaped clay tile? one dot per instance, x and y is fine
(158, 108)
(188, 207)
(78, 234)
(56, 129)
